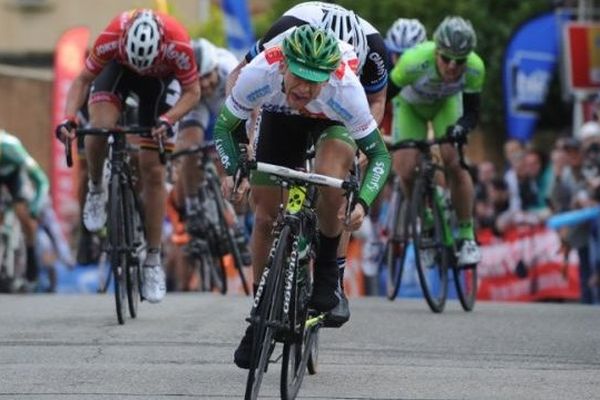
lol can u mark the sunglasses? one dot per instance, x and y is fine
(458, 61)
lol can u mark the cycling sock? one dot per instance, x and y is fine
(31, 272)
(465, 230)
(153, 256)
(341, 262)
(326, 265)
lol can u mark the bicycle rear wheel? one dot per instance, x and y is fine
(268, 315)
(430, 255)
(117, 238)
(465, 280)
(232, 244)
(396, 246)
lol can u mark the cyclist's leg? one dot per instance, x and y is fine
(104, 109)
(334, 157)
(16, 187)
(460, 182)
(156, 97)
(192, 128)
(409, 123)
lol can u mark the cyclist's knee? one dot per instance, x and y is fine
(334, 158)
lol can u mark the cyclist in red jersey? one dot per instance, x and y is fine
(147, 54)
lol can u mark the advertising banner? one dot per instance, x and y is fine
(68, 62)
(530, 62)
(582, 54)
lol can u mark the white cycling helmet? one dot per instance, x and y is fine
(404, 34)
(346, 27)
(206, 55)
(142, 39)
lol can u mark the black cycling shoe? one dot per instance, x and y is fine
(340, 314)
(242, 354)
(324, 296)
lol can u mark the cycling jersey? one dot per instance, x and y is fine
(374, 74)
(175, 58)
(341, 99)
(16, 161)
(207, 109)
(416, 73)
(424, 96)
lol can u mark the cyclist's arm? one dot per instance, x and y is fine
(471, 107)
(378, 167)
(226, 142)
(377, 104)
(40, 182)
(190, 95)
(78, 92)
(233, 75)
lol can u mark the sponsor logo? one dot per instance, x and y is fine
(258, 93)
(225, 160)
(273, 55)
(378, 172)
(182, 60)
(339, 109)
(379, 63)
(107, 48)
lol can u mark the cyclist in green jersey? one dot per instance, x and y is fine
(440, 82)
(16, 165)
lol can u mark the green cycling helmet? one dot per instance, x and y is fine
(312, 53)
(455, 37)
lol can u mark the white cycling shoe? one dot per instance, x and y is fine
(154, 286)
(94, 210)
(469, 253)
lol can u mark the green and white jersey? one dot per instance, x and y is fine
(15, 159)
(416, 73)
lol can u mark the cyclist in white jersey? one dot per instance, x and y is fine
(306, 94)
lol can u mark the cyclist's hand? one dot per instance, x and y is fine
(357, 217)
(66, 129)
(457, 133)
(227, 189)
(163, 128)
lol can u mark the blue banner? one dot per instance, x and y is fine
(530, 62)
(238, 27)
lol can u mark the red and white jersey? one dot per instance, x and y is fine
(341, 99)
(175, 58)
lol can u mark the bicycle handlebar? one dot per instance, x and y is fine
(424, 145)
(192, 150)
(132, 130)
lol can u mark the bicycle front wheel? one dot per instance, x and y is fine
(117, 238)
(396, 246)
(430, 255)
(268, 315)
(232, 244)
(465, 280)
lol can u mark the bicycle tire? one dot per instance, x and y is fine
(395, 252)
(132, 271)
(118, 258)
(218, 276)
(312, 364)
(433, 277)
(231, 242)
(465, 281)
(296, 350)
(269, 311)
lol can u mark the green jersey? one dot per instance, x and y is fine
(14, 159)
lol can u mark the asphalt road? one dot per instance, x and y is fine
(71, 347)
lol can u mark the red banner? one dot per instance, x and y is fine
(526, 266)
(583, 55)
(69, 57)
